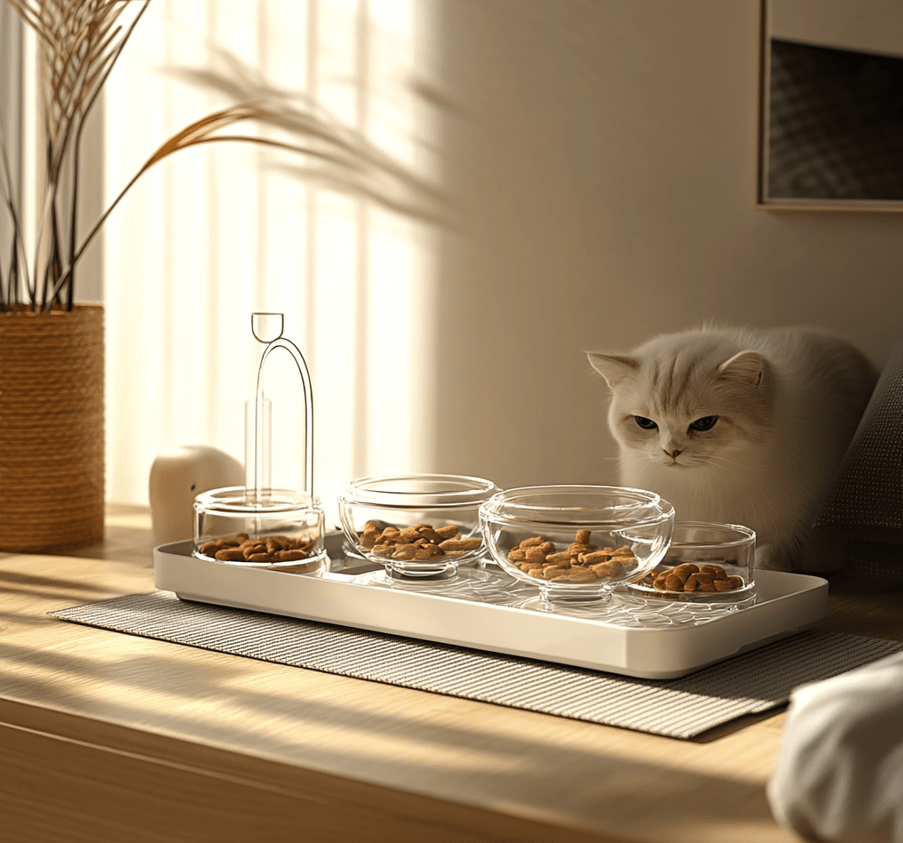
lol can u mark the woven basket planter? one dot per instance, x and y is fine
(51, 429)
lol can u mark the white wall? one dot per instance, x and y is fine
(604, 154)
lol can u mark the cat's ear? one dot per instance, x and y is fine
(747, 366)
(612, 367)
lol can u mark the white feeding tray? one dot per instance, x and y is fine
(485, 609)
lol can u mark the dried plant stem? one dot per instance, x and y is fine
(16, 245)
(73, 224)
(79, 44)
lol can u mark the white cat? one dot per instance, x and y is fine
(740, 426)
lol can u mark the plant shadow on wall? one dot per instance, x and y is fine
(51, 497)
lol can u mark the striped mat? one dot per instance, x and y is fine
(679, 708)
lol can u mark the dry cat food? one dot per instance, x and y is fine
(243, 548)
(690, 578)
(580, 562)
(418, 543)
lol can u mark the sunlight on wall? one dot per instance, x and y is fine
(215, 233)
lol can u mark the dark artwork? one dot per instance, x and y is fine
(835, 124)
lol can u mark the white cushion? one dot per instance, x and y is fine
(839, 772)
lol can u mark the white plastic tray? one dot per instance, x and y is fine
(486, 610)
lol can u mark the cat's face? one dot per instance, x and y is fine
(685, 411)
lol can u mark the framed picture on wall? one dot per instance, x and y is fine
(831, 105)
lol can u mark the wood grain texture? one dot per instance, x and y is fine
(105, 736)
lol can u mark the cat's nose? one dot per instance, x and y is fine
(673, 453)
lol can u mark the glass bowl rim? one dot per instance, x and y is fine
(747, 534)
(662, 510)
(356, 493)
(231, 500)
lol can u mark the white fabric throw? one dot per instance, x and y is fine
(839, 772)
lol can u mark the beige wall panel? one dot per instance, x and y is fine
(604, 154)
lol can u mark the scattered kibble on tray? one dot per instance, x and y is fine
(580, 562)
(418, 543)
(242, 548)
(690, 578)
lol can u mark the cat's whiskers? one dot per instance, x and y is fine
(726, 465)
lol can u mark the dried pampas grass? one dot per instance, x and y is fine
(80, 42)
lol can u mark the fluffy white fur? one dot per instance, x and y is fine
(787, 403)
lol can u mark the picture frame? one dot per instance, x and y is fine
(831, 105)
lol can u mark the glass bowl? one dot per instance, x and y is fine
(416, 525)
(279, 529)
(575, 543)
(706, 562)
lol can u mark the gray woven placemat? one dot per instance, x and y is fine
(678, 708)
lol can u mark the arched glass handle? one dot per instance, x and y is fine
(267, 328)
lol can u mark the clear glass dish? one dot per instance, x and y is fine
(707, 562)
(576, 543)
(283, 529)
(416, 525)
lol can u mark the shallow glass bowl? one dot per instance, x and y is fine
(280, 528)
(707, 562)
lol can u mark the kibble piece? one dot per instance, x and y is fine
(535, 554)
(594, 557)
(461, 544)
(611, 568)
(705, 582)
(404, 551)
(229, 555)
(431, 535)
(582, 575)
(533, 541)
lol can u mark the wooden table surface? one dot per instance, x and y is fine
(112, 737)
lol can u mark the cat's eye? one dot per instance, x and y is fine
(705, 423)
(646, 424)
